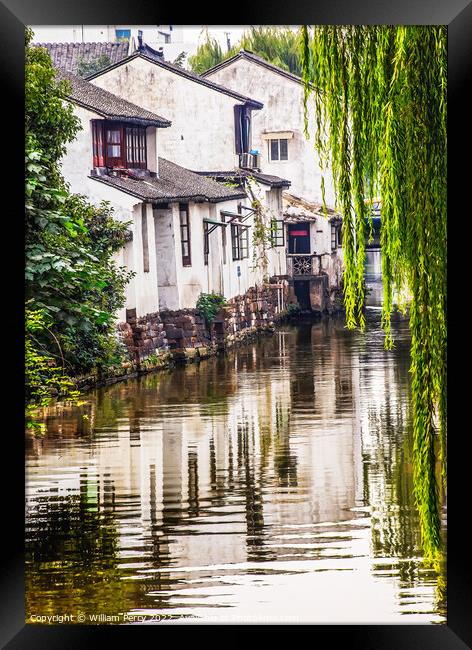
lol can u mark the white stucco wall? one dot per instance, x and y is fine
(76, 165)
(201, 137)
(282, 111)
(180, 286)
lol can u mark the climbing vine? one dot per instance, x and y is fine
(264, 224)
(379, 95)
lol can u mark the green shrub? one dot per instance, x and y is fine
(209, 304)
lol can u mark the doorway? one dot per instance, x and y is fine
(299, 238)
(302, 292)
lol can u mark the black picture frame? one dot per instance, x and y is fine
(457, 14)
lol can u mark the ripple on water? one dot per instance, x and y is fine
(273, 483)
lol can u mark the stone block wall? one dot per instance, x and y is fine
(185, 328)
(185, 334)
(143, 336)
(257, 308)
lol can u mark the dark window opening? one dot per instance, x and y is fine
(242, 129)
(278, 149)
(185, 234)
(299, 238)
(206, 243)
(302, 292)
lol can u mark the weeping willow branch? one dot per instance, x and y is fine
(379, 95)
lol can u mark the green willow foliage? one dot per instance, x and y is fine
(380, 104)
(208, 54)
(278, 45)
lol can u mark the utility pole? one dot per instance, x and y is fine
(228, 43)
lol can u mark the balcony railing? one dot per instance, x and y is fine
(249, 160)
(300, 264)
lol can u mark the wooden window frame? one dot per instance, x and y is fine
(235, 243)
(132, 141)
(239, 242)
(98, 143)
(278, 141)
(336, 237)
(206, 243)
(277, 234)
(185, 236)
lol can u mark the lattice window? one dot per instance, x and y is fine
(302, 266)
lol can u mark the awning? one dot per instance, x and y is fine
(230, 214)
(277, 135)
(216, 223)
(236, 218)
(242, 225)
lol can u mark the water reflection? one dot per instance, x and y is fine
(270, 484)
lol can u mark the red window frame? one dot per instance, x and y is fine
(113, 158)
(129, 142)
(98, 143)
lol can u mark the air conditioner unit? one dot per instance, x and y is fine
(249, 160)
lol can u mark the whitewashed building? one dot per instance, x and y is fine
(313, 239)
(211, 131)
(278, 128)
(177, 250)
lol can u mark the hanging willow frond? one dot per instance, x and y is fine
(379, 96)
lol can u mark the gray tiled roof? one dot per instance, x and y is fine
(175, 183)
(298, 208)
(267, 179)
(107, 104)
(250, 56)
(67, 55)
(193, 76)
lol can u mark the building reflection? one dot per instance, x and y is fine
(211, 464)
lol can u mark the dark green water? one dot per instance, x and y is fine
(271, 484)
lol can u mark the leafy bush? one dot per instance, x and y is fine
(292, 309)
(73, 285)
(209, 304)
(45, 377)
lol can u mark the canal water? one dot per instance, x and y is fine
(271, 484)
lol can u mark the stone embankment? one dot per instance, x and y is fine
(163, 339)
